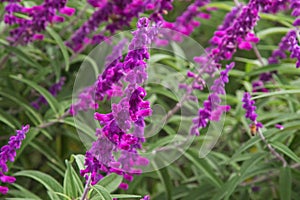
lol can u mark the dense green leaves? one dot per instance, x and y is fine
(285, 183)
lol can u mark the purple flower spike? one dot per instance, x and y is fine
(251, 114)
(8, 153)
(249, 107)
(288, 43)
(212, 110)
(127, 115)
(39, 17)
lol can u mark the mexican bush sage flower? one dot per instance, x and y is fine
(8, 153)
(123, 128)
(250, 108)
(212, 110)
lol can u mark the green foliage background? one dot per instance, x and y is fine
(47, 165)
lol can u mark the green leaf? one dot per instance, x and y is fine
(50, 99)
(47, 152)
(22, 103)
(61, 45)
(202, 165)
(85, 58)
(111, 182)
(9, 120)
(23, 192)
(79, 161)
(125, 196)
(229, 186)
(22, 56)
(166, 180)
(103, 194)
(47, 181)
(285, 150)
(285, 183)
(270, 31)
(72, 183)
(277, 93)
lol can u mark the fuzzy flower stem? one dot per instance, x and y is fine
(257, 53)
(86, 188)
(272, 150)
(237, 3)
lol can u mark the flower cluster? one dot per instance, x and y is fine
(107, 84)
(8, 153)
(38, 17)
(212, 110)
(289, 42)
(186, 23)
(115, 15)
(54, 89)
(129, 113)
(270, 6)
(239, 34)
(250, 109)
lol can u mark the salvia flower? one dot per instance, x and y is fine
(126, 116)
(212, 110)
(8, 153)
(187, 22)
(38, 18)
(239, 34)
(288, 43)
(115, 15)
(107, 84)
(250, 108)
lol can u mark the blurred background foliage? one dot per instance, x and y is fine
(239, 166)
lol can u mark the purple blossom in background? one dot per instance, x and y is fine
(115, 15)
(54, 89)
(288, 43)
(279, 126)
(8, 153)
(39, 17)
(267, 76)
(271, 6)
(258, 86)
(212, 110)
(186, 23)
(250, 108)
(147, 197)
(238, 35)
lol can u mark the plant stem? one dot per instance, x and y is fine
(272, 150)
(258, 55)
(86, 188)
(237, 3)
(47, 124)
(267, 177)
